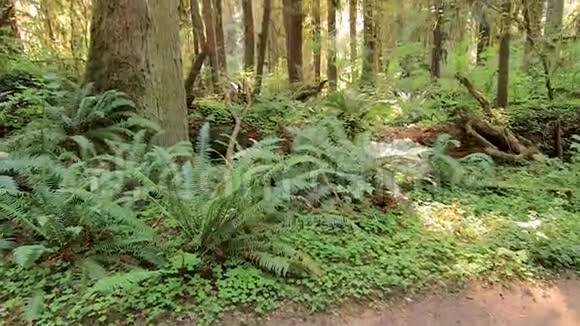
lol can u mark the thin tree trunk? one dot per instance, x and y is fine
(208, 16)
(262, 44)
(378, 34)
(352, 16)
(532, 12)
(197, 26)
(8, 24)
(220, 39)
(135, 48)
(249, 42)
(194, 72)
(317, 46)
(437, 50)
(554, 17)
(504, 56)
(293, 10)
(368, 73)
(331, 64)
(483, 40)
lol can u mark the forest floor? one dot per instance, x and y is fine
(546, 303)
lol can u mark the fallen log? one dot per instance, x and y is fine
(497, 141)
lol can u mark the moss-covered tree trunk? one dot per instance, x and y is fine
(437, 47)
(210, 35)
(8, 25)
(369, 48)
(532, 13)
(554, 17)
(197, 26)
(135, 48)
(316, 39)
(332, 71)
(352, 15)
(293, 17)
(483, 39)
(219, 36)
(263, 44)
(504, 55)
(249, 42)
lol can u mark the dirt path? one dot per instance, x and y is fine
(520, 304)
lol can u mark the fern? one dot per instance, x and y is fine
(61, 212)
(84, 124)
(123, 281)
(452, 172)
(26, 256)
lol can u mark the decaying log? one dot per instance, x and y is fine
(498, 142)
(483, 101)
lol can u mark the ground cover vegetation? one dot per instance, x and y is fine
(441, 148)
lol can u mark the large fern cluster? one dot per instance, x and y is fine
(52, 206)
(81, 122)
(223, 211)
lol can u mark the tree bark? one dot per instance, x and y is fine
(331, 64)
(554, 16)
(197, 26)
(532, 12)
(437, 50)
(208, 16)
(317, 46)
(368, 73)
(293, 15)
(483, 39)
(220, 38)
(249, 42)
(504, 56)
(262, 45)
(8, 24)
(194, 72)
(135, 48)
(352, 16)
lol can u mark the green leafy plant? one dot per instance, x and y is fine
(82, 123)
(450, 171)
(64, 219)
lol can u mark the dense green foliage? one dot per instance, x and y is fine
(101, 225)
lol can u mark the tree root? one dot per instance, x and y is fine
(498, 142)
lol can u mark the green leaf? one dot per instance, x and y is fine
(123, 281)
(34, 306)
(185, 260)
(26, 256)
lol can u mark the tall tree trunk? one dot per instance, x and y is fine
(532, 12)
(194, 72)
(135, 48)
(331, 64)
(8, 24)
(437, 49)
(220, 38)
(352, 16)
(249, 42)
(368, 73)
(504, 56)
(262, 44)
(293, 12)
(483, 40)
(317, 46)
(380, 23)
(197, 26)
(209, 17)
(554, 16)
